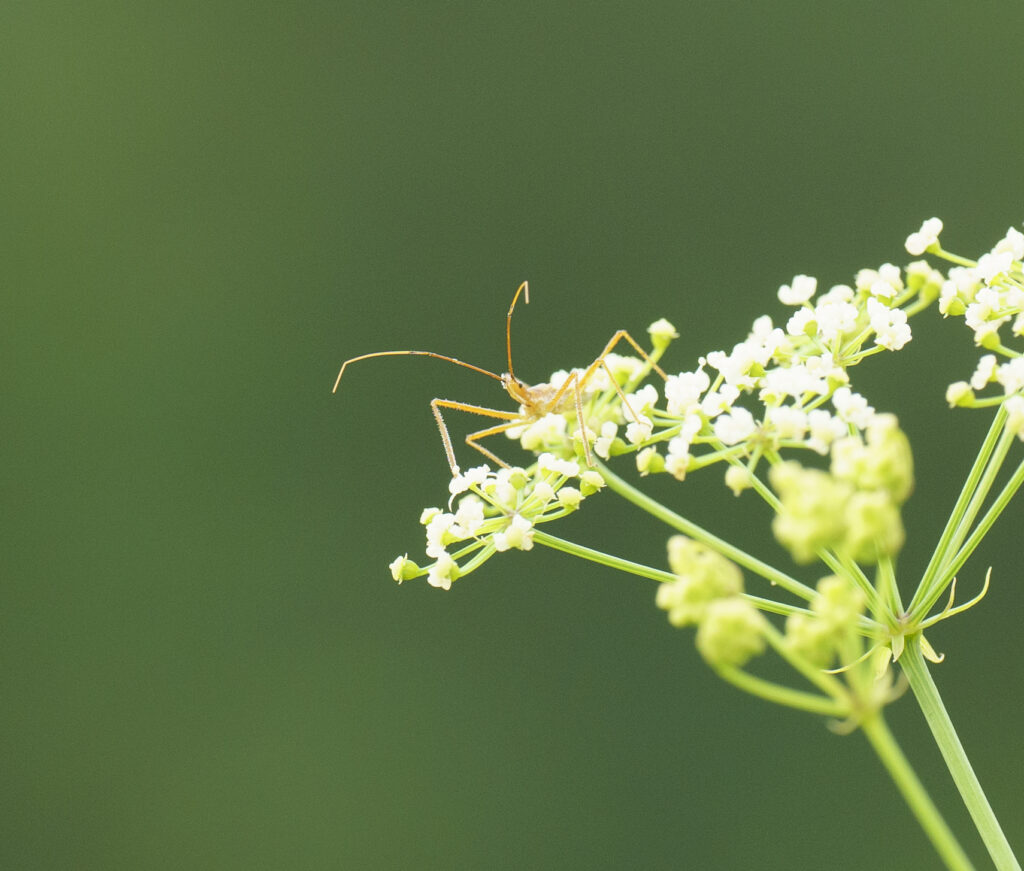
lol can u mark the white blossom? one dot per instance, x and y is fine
(799, 292)
(919, 242)
(735, 426)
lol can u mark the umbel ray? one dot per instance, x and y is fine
(535, 401)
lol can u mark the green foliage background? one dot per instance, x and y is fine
(208, 206)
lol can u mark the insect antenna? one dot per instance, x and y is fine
(412, 353)
(524, 288)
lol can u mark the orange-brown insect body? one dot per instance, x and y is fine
(536, 401)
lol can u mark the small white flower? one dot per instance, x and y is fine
(852, 407)
(991, 266)
(438, 530)
(717, 401)
(398, 567)
(440, 574)
(474, 477)
(662, 332)
(919, 242)
(678, 459)
(470, 516)
(550, 463)
(603, 443)
(799, 292)
(837, 293)
(645, 397)
(1012, 242)
(834, 319)
(787, 421)
(734, 427)
(958, 392)
(1011, 375)
(824, 428)
(518, 534)
(683, 391)
(890, 325)
(800, 324)
(543, 492)
(550, 429)
(985, 372)
(796, 381)
(1015, 419)
(639, 430)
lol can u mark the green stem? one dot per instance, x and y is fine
(956, 562)
(781, 695)
(945, 545)
(956, 759)
(633, 568)
(914, 793)
(688, 527)
(597, 556)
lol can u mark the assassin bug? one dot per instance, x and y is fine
(535, 401)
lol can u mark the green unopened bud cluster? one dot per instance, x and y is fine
(706, 593)
(854, 508)
(821, 635)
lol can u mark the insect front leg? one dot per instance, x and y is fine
(437, 404)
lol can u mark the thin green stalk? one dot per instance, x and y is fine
(781, 695)
(942, 550)
(597, 556)
(884, 744)
(633, 568)
(688, 527)
(935, 713)
(954, 563)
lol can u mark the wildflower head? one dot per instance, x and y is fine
(702, 576)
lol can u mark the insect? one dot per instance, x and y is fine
(535, 401)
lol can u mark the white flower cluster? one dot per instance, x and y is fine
(497, 511)
(780, 388)
(989, 295)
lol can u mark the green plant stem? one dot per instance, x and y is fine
(935, 713)
(884, 744)
(781, 695)
(942, 551)
(597, 556)
(955, 562)
(688, 527)
(639, 569)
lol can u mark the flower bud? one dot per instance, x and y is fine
(404, 569)
(661, 333)
(649, 461)
(811, 514)
(731, 633)
(873, 526)
(590, 482)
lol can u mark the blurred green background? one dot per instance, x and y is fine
(208, 206)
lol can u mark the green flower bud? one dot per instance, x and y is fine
(884, 463)
(811, 515)
(649, 461)
(661, 333)
(839, 603)
(703, 577)
(989, 339)
(959, 393)
(811, 638)
(731, 633)
(737, 479)
(569, 497)
(404, 569)
(873, 527)
(590, 482)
